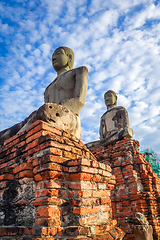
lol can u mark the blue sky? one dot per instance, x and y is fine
(119, 42)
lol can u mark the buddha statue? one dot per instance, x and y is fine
(64, 97)
(114, 123)
(69, 89)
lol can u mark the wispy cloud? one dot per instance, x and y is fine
(118, 42)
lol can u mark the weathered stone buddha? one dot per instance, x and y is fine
(64, 97)
(69, 89)
(114, 123)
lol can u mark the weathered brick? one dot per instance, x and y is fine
(49, 175)
(78, 176)
(48, 212)
(47, 166)
(29, 231)
(22, 167)
(6, 177)
(84, 202)
(49, 222)
(100, 193)
(46, 127)
(84, 193)
(89, 170)
(48, 231)
(86, 210)
(11, 231)
(23, 174)
(48, 201)
(53, 184)
(34, 136)
(69, 155)
(51, 158)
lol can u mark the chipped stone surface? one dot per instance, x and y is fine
(57, 116)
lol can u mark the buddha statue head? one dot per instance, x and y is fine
(62, 59)
(110, 99)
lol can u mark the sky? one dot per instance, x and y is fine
(119, 42)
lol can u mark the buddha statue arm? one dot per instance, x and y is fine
(125, 118)
(81, 82)
(102, 129)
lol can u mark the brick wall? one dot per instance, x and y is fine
(52, 187)
(137, 186)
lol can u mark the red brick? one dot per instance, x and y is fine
(33, 150)
(50, 222)
(47, 192)
(3, 165)
(97, 178)
(88, 185)
(48, 212)
(88, 220)
(6, 177)
(76, 151)
(26, 173)
(95, 164)
(105, 200)
(12, 139)
(33, 128)
(84, 202)
(29, 231)
(56, 151)
(48, 231)
(11, 231)
(100, 193)
(84, 193)
(77, 230)
(23, 166)
(47, 166)
(79, 176)
(86, 210)
(75, 185)
(75, 169)
(34, 136)
(49, 175)
(48, 201)
(61, 146)
(89, 170)
(53, 184)
(35, 162)
(51, 158)
(84, 162)
(69, 155)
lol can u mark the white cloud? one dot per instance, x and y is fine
(46, 50)
(28, 47)
(40, 70)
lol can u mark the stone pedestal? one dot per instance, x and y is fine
(52, 187)
(137, 187)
